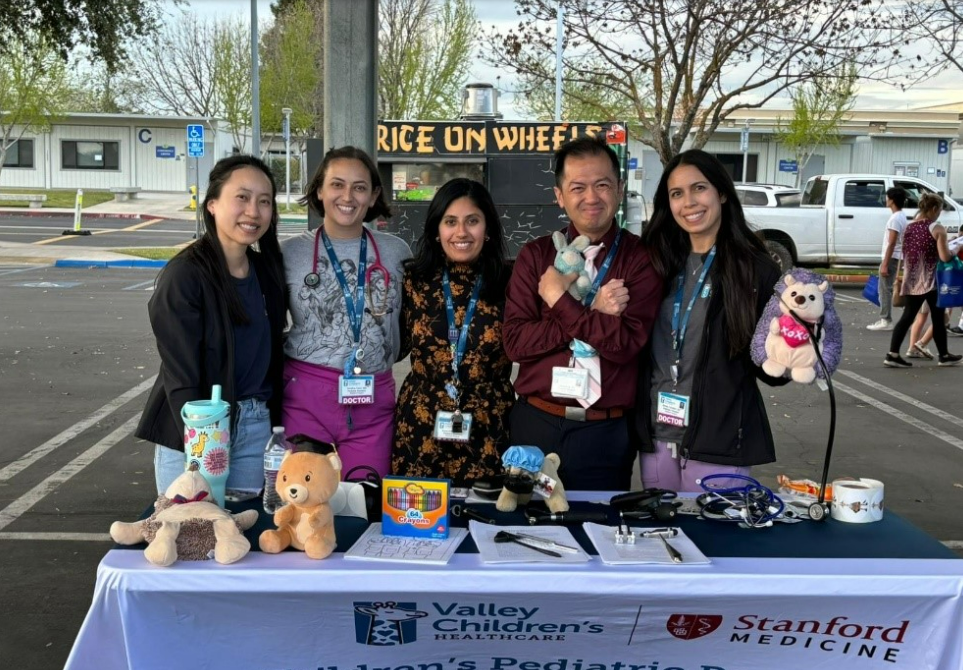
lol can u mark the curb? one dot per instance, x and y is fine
(84, 215)
(126, 264)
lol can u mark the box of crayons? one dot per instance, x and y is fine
(415, 507)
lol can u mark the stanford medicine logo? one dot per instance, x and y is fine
(386, 624)
(692, 626)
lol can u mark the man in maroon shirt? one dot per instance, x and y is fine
(542, 319)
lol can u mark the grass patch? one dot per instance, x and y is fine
(153, 253)
(59, 197)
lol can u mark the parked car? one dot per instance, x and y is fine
(768, 195)
(634, 213)
(841, 219)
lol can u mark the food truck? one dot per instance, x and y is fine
(514, 159)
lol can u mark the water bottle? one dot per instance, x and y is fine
(273, 455)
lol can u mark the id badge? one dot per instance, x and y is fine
(356, 390)
(446, 429)
(672, 409)
(570, 382)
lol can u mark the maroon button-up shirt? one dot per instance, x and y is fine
(537, 337)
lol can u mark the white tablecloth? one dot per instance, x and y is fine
(289, 612)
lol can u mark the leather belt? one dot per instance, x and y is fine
(574, 413)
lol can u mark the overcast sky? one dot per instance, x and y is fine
(945, 89)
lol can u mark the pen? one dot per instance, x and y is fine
(673, 552)
(552, 544)
(504, 536)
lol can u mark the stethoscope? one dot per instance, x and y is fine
(313, 279)
(751, 504)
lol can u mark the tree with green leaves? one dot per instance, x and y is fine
(34, 88)
(686, 65)
(425, 53)
(103, 25)
(232, 78)
(292, 70)
(819, 107)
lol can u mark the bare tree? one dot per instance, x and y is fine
(938, 24)
(426, 48)
(174, 72)
(687, 64)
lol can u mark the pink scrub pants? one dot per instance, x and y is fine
(362, 433)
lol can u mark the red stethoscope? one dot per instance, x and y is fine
(313, 279)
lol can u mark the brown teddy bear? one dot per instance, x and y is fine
(306, 482)
(187, 524)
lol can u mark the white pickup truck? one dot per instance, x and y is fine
(841, 219)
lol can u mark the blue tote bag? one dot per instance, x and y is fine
(871, 290)
(949, 283)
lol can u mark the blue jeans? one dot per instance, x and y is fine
(251, 435)
(886, 291)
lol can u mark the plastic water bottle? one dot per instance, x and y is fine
(273, 455)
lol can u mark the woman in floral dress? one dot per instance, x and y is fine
(451, 415)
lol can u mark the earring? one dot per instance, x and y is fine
(438, 239)
(487, 238)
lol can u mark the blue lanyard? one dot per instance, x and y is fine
(458, 340)
(603, 270)
(678, 334)
(355, 309)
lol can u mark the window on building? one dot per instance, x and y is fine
(77, 155)
(19, 155)
(733, 165)
(417, 182)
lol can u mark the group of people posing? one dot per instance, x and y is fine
(654, 360)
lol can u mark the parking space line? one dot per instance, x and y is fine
(3, 273)
(935, 411)
(902, 416)
(36, 454)
(59, 537)
(14, 510)
(143, 284)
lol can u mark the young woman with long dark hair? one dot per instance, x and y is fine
(699, 408)
(452, 306)
(218, 312)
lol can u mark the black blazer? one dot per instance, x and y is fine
(195, 340)
(728, 423)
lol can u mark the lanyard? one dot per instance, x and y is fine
(678, 333)
(458, 340)
(603, 270)
(354, 309)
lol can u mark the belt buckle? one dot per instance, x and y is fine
(575, 413)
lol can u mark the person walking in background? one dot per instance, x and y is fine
(699, 410)
(924, 243)
(453, 298)
(344, 285)
(892, 253)
(218, 313)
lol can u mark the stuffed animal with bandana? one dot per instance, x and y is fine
(782, 344)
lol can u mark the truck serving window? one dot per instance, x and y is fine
(417, 182)
(815, 193)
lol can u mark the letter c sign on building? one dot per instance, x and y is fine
(144, 135)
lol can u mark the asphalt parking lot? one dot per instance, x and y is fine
(77, 358)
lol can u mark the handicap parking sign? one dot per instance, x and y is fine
(195, 140)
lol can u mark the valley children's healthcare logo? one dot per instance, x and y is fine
(386, 624)
(692, 626)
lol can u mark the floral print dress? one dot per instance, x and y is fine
(485, 379)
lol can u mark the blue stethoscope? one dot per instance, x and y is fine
(313, 279)
(751, 504)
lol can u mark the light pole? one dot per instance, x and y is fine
(287, 156)
(745, 149)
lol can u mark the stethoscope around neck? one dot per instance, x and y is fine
(313, 279)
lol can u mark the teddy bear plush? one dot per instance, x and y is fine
(306, 482)
(569, 259)
(781, 345)
(524, 468)
(187, 524)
